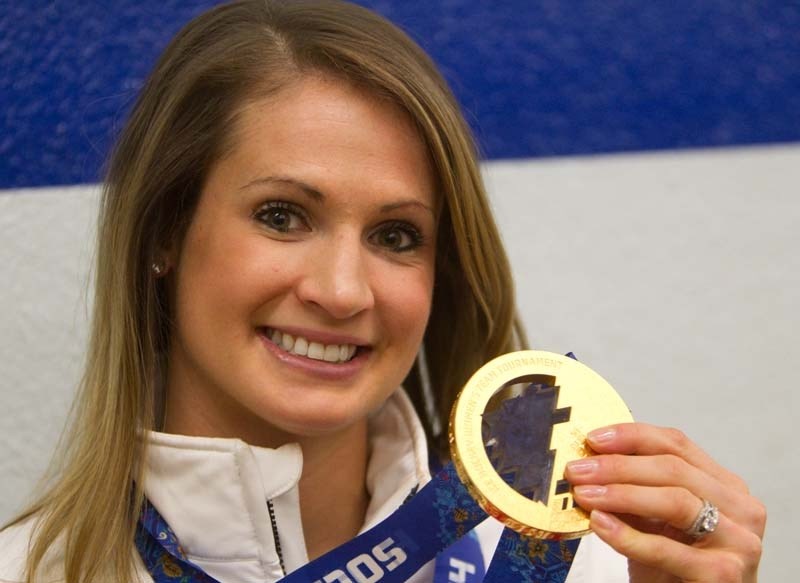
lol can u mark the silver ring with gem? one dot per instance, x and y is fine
(706, 521)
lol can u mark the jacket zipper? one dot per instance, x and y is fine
(271, 510)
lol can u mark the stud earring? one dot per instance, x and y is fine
(158, 268)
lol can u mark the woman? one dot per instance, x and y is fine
(292, 213)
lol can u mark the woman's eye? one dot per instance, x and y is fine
(281, 217)
(397, 237)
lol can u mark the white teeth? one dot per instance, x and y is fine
(336, 353)
(316, 351)
(300, 346)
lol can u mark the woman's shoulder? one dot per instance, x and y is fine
(15, 542)
(14, 545)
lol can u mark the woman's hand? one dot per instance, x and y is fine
(646, 486)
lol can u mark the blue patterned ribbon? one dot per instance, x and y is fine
(437, 516)
(521, 559)
(391, 552)
(438, 520)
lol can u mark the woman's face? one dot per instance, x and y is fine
(304, 282)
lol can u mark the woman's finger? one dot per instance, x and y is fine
(653, 470)
(675, 506)
(729, 554)
(644, 439)
(668, 471)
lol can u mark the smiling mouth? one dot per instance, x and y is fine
(299, 346)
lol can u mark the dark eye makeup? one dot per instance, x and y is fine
(397, 236)
(394, 236)
(282, 216)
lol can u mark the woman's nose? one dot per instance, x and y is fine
(336, 277)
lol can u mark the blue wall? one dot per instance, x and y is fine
(537, 78)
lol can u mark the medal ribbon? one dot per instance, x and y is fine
(521, 559)
(391, 552)
(433, 522)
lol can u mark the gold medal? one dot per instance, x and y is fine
(527, 440)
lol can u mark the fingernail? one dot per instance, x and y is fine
(599, 436)
(582, 467)
(590, 491)
(602, 521)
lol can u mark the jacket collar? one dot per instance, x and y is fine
(214, 492)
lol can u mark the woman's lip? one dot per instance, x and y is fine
(316, 335)
(318, 368)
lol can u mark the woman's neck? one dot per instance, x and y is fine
(333, 494)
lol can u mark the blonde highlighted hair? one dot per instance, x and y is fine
(178, 128)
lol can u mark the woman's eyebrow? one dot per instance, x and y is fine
(310, 191)
(403, 203)
(317, 196)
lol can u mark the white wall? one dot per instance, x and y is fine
(45, 255)
(675, 275)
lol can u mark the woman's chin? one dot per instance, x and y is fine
(310, 422)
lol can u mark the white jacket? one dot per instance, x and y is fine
(214, 494)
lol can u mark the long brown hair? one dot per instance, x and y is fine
(178, 128)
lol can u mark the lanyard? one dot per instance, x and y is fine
(520, 559)
(433, 520)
